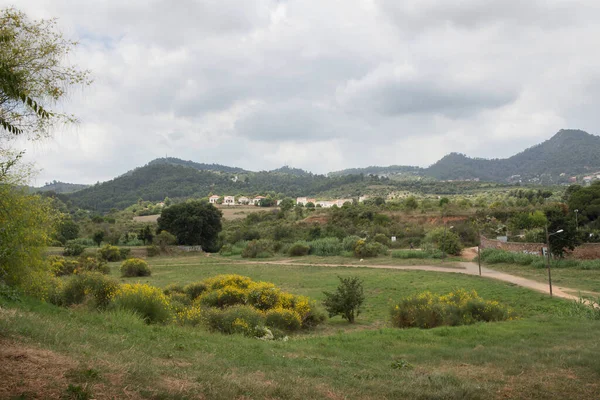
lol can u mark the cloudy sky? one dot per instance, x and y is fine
(319, 85)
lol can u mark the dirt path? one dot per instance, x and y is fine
(468, 268)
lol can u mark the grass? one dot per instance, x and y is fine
(579, 275)
(544, 354)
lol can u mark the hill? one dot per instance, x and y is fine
(59, 187)
(198, 166)
(567, 153)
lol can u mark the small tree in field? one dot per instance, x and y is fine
(346, 300)
(98, 237)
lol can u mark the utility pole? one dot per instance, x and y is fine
(576, 223)
(548, 260)
(479, 253)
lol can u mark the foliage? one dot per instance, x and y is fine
(163, 240)
(146, 234)
(147, 301)
(26, 225)
(418, 254)
(93, 287)
(328, 246)
(194, 290)
(33, 76)
(299, 249)
(445, 240)
(349, 242)
(98, 237)
(559, 218)
(73, 249)
(426, 310)
(347, 300)
(110, 253)
(258, 249)
(237, 319)
(364, 249)
(67, 230)
(193, 223)
(284, 319)
(135, 267)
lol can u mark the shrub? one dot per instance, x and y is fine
(152, 251)
(189, 316)
(326, 247)
(445, 240)
(62, 266)
(383, 239)
(173, 288)
(135, 267)
(299, 249)
(220, 281)
(347, 299)
(85, 242)
(89, 286)
(124, 253)
(261, 248)
(147, 301)
(426, 310)
(365, 249)
(92, 264)
(407, 254)
(73, 249)
(281, 318)
(110, 253)
(194, 290)
(349, 243)
(224, 297)
(263, 296)
(237, 319)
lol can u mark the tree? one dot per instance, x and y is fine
(192, 223)
(67, 230)
(98, 237)
(33, 77)
(559, 218)
(146, 234)
(286, 204)
(347, 299)
(411, 203)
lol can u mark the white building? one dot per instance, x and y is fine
(243, 200)
(302, 201)
(213, 199)
(257, 199)
(229, 200)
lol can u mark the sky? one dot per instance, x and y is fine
(318, 85)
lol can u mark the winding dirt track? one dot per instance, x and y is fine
(468, 268)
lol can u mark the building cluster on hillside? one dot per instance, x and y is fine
(303, 201)
(322, 203)
(230, 200)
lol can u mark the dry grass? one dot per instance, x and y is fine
(230, 213)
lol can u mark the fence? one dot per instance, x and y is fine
(587, 251)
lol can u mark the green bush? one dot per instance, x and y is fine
(421, 254)
(135, 267)
(349, 243)
(110, 253)
(383, 239)
(92, 264)
(261, 248)
(365, 249)
(150, 303)
(62, 266)
(153, 250)
(347, 300)
(445, 240)
(124, 253)
(237, 319)
(314, 317)
(173, 288)
(73, 249)
(326, 247)
(299, 249)
(224, 297)
(460, 307)
(89, 286)
(263, 296)
(194, 290)
(85, 242)
(286, 320)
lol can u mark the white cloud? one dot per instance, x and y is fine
(319, 85)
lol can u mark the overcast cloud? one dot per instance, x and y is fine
(319, 85)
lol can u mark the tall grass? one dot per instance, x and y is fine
(421, 254)
(496, 256)
(326, 247)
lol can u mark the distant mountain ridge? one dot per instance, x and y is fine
(59, 187)
(570, 152)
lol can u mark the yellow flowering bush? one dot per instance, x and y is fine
(243, 319)
(189, 316)
(133, 267)
(263, 295)
(461, 307)
(93, 287)
(220, 281)
(147, 301)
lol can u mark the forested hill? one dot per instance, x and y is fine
(195, 165)
(569, 152)
(59, 187)
(156, 181)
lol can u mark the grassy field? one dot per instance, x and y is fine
(546, 353)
